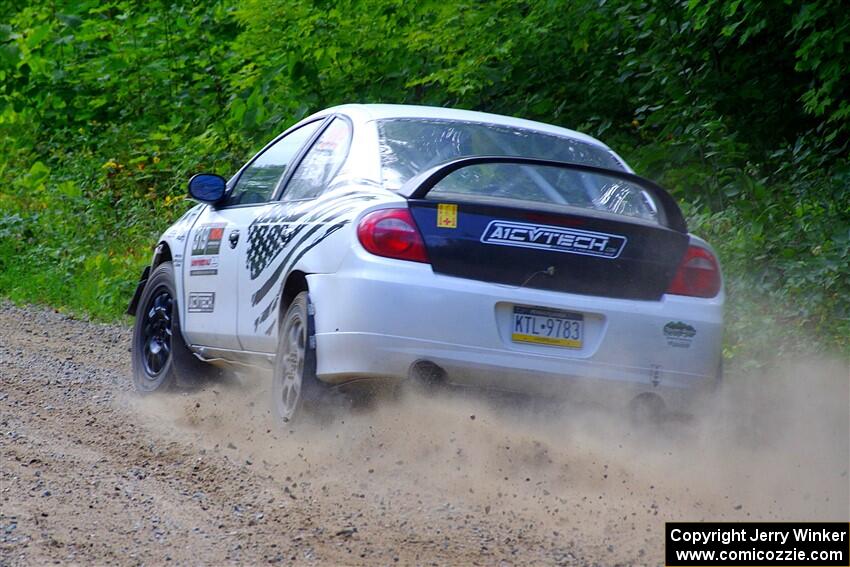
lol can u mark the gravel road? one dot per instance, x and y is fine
(91, 473)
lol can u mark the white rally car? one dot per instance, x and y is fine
(383, 242)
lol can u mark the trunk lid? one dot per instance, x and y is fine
(553, 251)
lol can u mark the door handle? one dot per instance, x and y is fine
(234, 238)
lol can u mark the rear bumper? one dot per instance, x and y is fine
(377, 317)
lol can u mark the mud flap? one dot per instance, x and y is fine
(131, 310)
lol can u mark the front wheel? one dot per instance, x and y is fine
(154, 333)
(161, 359)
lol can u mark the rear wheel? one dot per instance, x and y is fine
(294, 383)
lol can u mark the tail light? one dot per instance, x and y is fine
(698, 275)
(392, 233)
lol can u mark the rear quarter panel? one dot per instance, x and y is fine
(312, 237)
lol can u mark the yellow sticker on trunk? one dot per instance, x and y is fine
(446, 215)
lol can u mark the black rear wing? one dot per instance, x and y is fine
(670, 215)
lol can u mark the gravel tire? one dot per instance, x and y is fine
(161, 359)
(295, 387)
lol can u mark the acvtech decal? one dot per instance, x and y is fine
(555, 238)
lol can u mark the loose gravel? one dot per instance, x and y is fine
(92, 473)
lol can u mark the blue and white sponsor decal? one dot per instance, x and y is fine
(555, 238)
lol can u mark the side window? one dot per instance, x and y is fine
(321, 163)
(259, 179)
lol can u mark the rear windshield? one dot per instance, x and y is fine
(555, 186)
(412, 145)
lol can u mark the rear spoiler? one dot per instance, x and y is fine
(419, 186)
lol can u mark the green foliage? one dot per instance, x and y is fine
(739, 106)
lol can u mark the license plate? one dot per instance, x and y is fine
(543, 326)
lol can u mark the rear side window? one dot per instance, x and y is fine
(321, 164)
(412, 145)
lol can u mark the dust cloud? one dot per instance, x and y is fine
(769, 445)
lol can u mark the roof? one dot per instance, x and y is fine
(384, 111)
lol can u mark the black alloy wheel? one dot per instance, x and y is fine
(157, 332)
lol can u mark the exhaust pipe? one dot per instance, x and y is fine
(426, 374)
(647, 408)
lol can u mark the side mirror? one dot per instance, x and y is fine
(207, 188)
